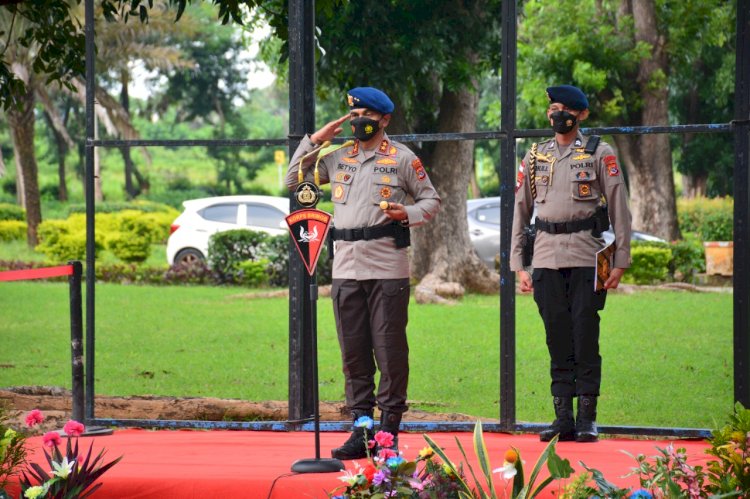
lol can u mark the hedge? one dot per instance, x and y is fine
(11, 212)
(12, 230)
(650, 263)
(711, 219)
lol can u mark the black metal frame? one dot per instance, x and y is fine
(302, 121)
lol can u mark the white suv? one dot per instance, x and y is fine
(190, 232)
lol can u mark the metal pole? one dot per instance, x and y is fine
(301, 121)
(90, 247)
(507, 194)
(742, 207)
(76, 340)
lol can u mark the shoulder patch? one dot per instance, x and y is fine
(611, 163)
(419, 169)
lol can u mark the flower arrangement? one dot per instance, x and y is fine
(12, 453)
(388, 474)
(72, 475)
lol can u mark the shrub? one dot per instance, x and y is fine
(276, 252)
(129, 247)
(712, 219)
(688, 258)
(11, 212)
(12, 230)
(228, 249)
(253, 272)
(650, 263)
(61, 242)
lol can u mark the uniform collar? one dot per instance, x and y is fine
(578, 142)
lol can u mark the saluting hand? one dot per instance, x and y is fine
(614, 278)
(329, 131)
(525, 282)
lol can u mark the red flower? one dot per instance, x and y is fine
(73, 428)
(369, 472)
(386, 453)
(384, 439)
(34, 418)
(51, 439)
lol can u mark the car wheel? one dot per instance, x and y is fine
(188, 256)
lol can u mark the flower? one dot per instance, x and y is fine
(63, 469)
(35, 492)
(369, 472)
(508, 470)
(426, 453)
(384, 439)
(364, 422)
(511, 456)
(349, 478)
(394, 462)
(73, 428)
(34, 417)
(385, 454)
(51, 439)
(381, 476)
(641, 494)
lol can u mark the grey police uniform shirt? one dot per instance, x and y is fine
(570, 184)
(360, 180)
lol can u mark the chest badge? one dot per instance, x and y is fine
(386, 192)
(584, 190)
(583, 175)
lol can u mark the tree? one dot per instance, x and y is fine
(627, 57)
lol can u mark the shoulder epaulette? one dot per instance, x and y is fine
(592, 144)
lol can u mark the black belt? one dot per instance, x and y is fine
(566, 227)
(365, 233)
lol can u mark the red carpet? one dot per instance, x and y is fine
(188, 464)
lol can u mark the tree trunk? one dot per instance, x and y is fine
(2, 164)
(98, 195)
(130, 189)
(442, 249)
(21, 124)
(651, 179)
(62, 151)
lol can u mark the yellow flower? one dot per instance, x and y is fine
(448, 470)
(34, 492)
(426, 453)
(511, 456)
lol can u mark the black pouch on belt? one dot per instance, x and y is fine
(529, 236)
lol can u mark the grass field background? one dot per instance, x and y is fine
(667, 355)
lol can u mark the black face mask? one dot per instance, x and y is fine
(364, 128)
(563, 121)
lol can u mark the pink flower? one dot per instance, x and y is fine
(73, 428)
(384, 439)
(386, 454)
(34, 418)
(371, 444)
(51, 439)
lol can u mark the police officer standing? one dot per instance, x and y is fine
(379, 189)
(572, 181)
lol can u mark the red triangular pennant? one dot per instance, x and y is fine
(309, 228)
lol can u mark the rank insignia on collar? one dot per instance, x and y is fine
(383, 149)
(385, 192)
(581, 156)
(386, 161)
(393, 151)
(578, 142)
(419, 169)
(584, 190)
(551, 145)
(355, 149)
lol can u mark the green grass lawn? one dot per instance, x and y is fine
(667, 355)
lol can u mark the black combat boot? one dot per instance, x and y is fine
(390, 422)
(356, 445)
(563, 424)
(586, 419)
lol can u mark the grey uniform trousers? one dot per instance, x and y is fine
(371, 319)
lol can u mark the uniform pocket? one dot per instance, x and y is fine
(340, 186)
(584, 186)
(387, 188)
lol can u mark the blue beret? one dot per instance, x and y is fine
(371, 98)
(569, 96)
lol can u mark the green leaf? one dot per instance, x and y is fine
(558, 467)
(484, 461)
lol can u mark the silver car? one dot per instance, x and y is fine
(484, 230)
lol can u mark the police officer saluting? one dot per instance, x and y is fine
(379, 189)
(572, 181)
